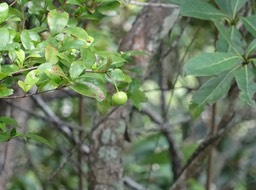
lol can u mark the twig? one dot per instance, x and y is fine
(80, 143)
(133, 184)
(196, 159)
(147, 4)
(57, 121)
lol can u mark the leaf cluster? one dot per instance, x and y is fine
(234, 58)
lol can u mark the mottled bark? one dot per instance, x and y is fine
(105, 159)
(9, 150)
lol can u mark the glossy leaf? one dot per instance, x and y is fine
(20, 57)
(57, 21)
(245, 81)
(24, 86)
(28, 38)
(76, 69)
(208, 64)
(213, 90)
(4, 38)
(80, 33)
(91, 89)
(250, 24)
(118, 75)
(201, 9)
(4, 10)
(32, 77)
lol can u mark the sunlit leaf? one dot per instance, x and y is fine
(4, 137)
(57, 21)
(208, 64)
(92, 89)
(118, 75)
(80, 33)
(76, 68)
(4, 91)
(51, 54)
(4, 38)
(9, 121)
(4, 10)
(28, 38)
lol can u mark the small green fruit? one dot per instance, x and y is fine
(119, 98)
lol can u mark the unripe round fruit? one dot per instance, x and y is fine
(119, 98)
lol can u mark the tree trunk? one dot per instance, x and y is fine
(105, 159)
(9, 149)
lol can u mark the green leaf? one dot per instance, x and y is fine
(201, 9)
(9, 121)
(13, 132)
(135, 94)
(250, 24)
(80, 33)
(4, 91)
(32, 77)
(76, 68)
(4, 38)
(245, 81)
(4, 137)
(4, 10)
(28, 37)
(208, 64)
(88, 57)
(92, 89)
(108, 6)
(24, 86)
(214, 89)
(231, 7)
(57, 21)
(21, 57)
(35, 137)
(118, 75)
(251, 48)
(51, 54)
(233, 38)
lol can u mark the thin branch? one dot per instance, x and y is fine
(147, 4)
(80, 143)
(196, 159)
(133, 184)
(57, 121)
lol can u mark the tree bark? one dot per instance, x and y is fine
(8, 150)
(105, 158)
